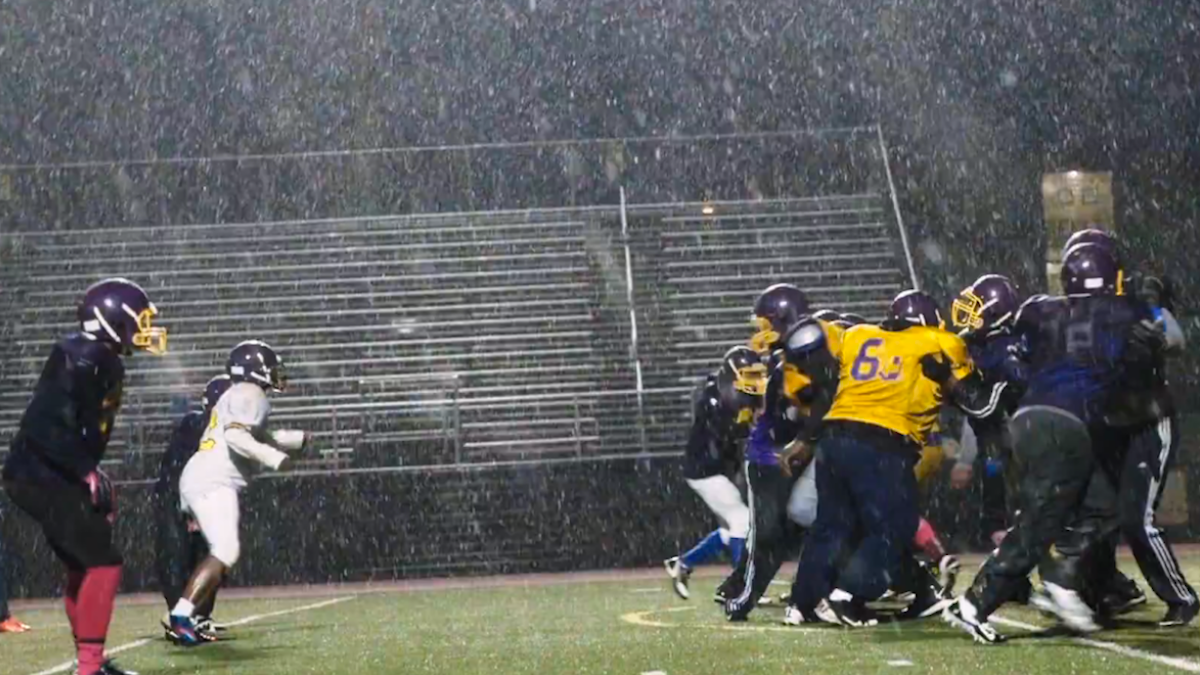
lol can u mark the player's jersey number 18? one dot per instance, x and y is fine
(871, 364)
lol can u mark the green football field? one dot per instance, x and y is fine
(621, 623)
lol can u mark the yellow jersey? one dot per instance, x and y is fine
(794, 380)
(880, 379)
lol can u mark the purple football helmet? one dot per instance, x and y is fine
(255, 361)
(213, 391)
(916, 307)
(1092, 235)
(1090, 269)
(119, 311)
(775, 311)
(852, 319)
(984, 306)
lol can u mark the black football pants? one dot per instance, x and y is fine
(770, 538)
(80, 535)
(1054, 459)
(1148, 460)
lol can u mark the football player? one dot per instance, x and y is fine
(53, 467)
(180, 545)
(722, 410)
(982, 314)
(779, 501)
(235, 441)
(876, 408)
(1142, 441)
(1081, 349)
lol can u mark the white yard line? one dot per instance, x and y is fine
(64, 667)
(1186, 665)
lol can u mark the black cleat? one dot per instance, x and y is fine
(1179, 615)
(925, 605)
(852, 613)
(110, 668)
(962, 614)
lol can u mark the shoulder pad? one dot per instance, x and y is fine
(804, 337)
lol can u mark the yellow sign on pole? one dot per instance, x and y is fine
(1072, 201)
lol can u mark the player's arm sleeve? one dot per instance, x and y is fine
(241, 441)
(248, 411)
(1176, 340)
(288, 439)
(974, 396)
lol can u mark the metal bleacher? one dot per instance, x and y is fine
(453, 338)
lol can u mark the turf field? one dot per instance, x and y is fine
(618, 623)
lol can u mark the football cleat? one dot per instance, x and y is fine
(947, 576)
(110, 668)
(13, 625)
(679, 576)
(1179, 615)
(792, 616)
(184, 632)
(962, 614)
(1070, 609)
(208, 625)
(1122, 601)
(850, 612)
(925, 606)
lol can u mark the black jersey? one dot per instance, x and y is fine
(64, 431)
(996, 359)
(1081, 352)
(715, 439)
(185, 440)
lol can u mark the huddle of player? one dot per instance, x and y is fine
(829, 416)
(53, 469)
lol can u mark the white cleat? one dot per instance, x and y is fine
(1070, 609)
(679, 577)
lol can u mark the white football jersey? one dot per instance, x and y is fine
(215, 462)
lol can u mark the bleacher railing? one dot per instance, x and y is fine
(433, 340)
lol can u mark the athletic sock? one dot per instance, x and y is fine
(93, 612)
(183, 608)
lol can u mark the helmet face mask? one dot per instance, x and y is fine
(966, 313)
(765, 336)
(985, 306)
(149, 337)
(742, 382)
